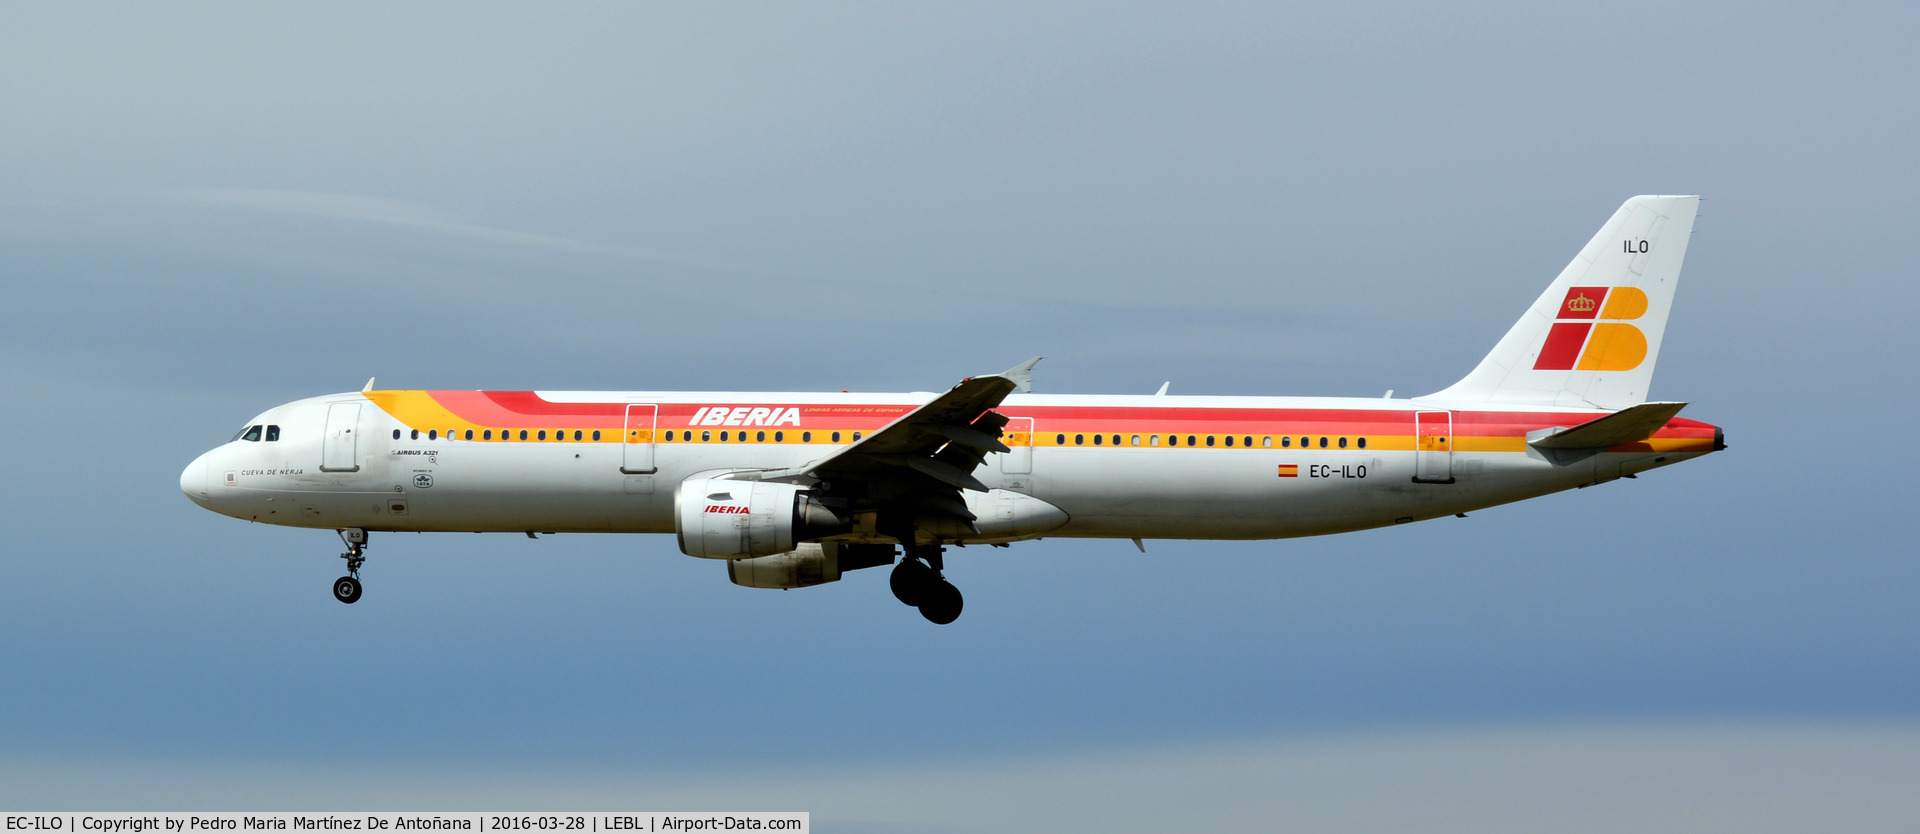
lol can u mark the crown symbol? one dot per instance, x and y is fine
(1582, 304)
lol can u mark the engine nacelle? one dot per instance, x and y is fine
(722, 519)
(812, 563)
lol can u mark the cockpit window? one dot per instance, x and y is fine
(249, 433)
(273, 433)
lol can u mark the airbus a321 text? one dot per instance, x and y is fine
(791, 490)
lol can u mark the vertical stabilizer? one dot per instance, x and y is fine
(1591, 339)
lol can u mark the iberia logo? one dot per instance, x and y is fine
(1591, 332)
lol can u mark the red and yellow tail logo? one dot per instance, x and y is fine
(1578, 342)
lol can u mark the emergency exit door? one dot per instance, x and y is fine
(1433, 447)
(1018, 435)
(637, 443)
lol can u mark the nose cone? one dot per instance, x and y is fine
(193, 480)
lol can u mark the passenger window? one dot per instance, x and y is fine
(836, 437)
(1079, 440)
(1266, 442)
(1286, 442)
(1116, 440)
(1323, 443)
(487, 435)
(1059, 440)
(396, 434)
(576, 434)
(1209, 440)
(856, 437)
(1247, 442)
(543, 434)
(253, 434)
(523, 434)
(1136, 440)
(779, 437)
(1096, 440)
(433, 434)
(467, 435)
(596, 434)
(706, 436)
(723, 437)
(1153, 440)
(415, 435)
(1303, 443)
(759, 437)
(1191, 441)
(1229, 440)
(806, 437)
(1343, 443)
(1363, 443)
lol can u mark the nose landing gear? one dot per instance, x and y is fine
(920, 584)
(347, 588)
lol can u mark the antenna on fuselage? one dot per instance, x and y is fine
(368, 387)
(1163, 389)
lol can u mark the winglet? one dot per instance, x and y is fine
(369, 386)
(1022, 374)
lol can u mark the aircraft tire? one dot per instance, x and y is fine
(910, 581)
(941, 603)
(346, 589)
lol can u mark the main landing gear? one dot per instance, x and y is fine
(916, 581)
(347, 588)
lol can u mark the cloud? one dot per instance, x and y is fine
(420, 217)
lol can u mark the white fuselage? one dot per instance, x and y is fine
(406, 463)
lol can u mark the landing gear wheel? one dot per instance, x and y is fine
(347, 588)
(941, 603)
(910, 581)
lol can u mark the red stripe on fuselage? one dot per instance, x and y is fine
(525, 409)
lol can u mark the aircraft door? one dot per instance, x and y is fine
(1018, 435)
(637, 445)
(338, 447)
(1433, 447)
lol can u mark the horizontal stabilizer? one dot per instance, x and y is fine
(1624, 426)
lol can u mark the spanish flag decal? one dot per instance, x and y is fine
(1289, 470)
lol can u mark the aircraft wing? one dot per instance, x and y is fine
(922, 460)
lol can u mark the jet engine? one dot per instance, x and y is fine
(812, 563)
(721, 519)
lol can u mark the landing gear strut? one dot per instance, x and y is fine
(347, 588)
(917, 581)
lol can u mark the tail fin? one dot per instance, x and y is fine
(1591, 339)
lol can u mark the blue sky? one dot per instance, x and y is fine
(209, 210)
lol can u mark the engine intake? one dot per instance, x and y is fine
(722, 519)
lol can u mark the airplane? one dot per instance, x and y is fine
(797, 489)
